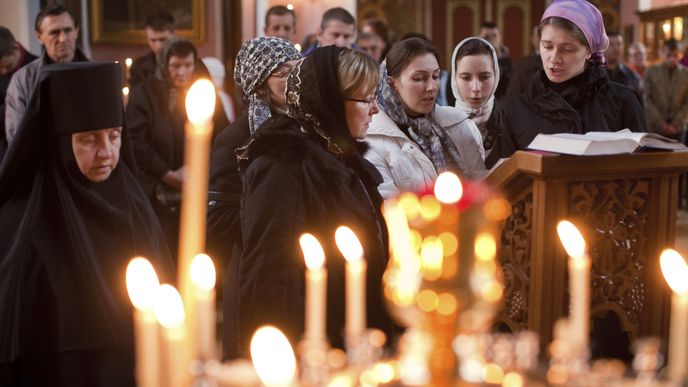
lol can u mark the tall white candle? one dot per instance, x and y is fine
(316, 288)
(200, 105)
(169, 311)
(675, 271)
(351, 249)
(203, 279)
(142, 283)
(579, 282)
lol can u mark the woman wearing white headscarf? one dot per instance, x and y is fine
(474, 80)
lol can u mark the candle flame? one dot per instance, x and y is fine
(348, 244)
(128, 62)
(448, 188)
(313, 252)
(125, 90)
(572, 239)
(200, 102)
(169, 308)
(273, 357)
(142, 282)
(675, 270)
(202, 272)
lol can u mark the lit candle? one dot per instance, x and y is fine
(200, 105)
(579, 282)
(675, 273)
(203, 279)
(128, 63)
(273, 357)
(142, 283)
(125, 95)
(169, 311)
(352, 251)
(316, 287)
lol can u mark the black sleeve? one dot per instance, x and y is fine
(140, 119)
(632, 112)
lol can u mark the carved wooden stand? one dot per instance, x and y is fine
(625, 206)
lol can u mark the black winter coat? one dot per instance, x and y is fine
(293, 185)
(587, 102)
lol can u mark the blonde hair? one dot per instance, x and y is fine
(357, 72)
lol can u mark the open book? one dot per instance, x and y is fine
(603, 143)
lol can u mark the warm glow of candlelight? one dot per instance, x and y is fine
(348, 244)
(203, 272)
(125, 91)
(273, 357)
(128, 62)
(448, 188)
(485, 246)
(313, 252)
(675, 270)
(290, 6)
(169, 308)
(142, 283)
(572, 239)
(200, 102)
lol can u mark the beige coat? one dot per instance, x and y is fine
(666, 97)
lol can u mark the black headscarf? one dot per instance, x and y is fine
(65, 241)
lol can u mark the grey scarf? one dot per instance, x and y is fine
(424, 130)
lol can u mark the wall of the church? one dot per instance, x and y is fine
(210, 47)
(18, 17)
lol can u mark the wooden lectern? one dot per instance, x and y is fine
(625, 206)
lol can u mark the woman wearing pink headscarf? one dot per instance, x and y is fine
(572, 94)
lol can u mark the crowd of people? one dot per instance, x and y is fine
(324, 137)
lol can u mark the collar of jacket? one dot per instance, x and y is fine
(446, 116)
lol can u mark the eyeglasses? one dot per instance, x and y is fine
(366, 101)
(281, 72)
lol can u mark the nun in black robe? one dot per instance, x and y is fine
(65, 241)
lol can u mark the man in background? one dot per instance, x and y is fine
(57, 31)
(665, 89)
(637, 58)
(616, 69)
(490, 32)
(159, 28)
(337, 28)
(280, 22)
(371, 44)
(13, 56)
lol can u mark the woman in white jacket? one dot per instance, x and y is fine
(413, 139)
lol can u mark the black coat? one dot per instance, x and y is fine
(587, 102)
(293, 185)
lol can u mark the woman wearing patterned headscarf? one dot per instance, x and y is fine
(261, 70)
(572, 94)
(413, 139)
(304, 173)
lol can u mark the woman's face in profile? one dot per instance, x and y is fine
(475, 78)
(97, 152)
(277, 84)
(563, 56)
(418, 84)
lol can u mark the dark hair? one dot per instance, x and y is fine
(567, 25)
(474, 47)
(403, 52)
(52, 10)
(279, 10)
(7, 42)
(337, 13)
(379, 26)
(489, 24)
(181, 48)
(160, 21)
(414, 34)
(671, 44)
(613, 33)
